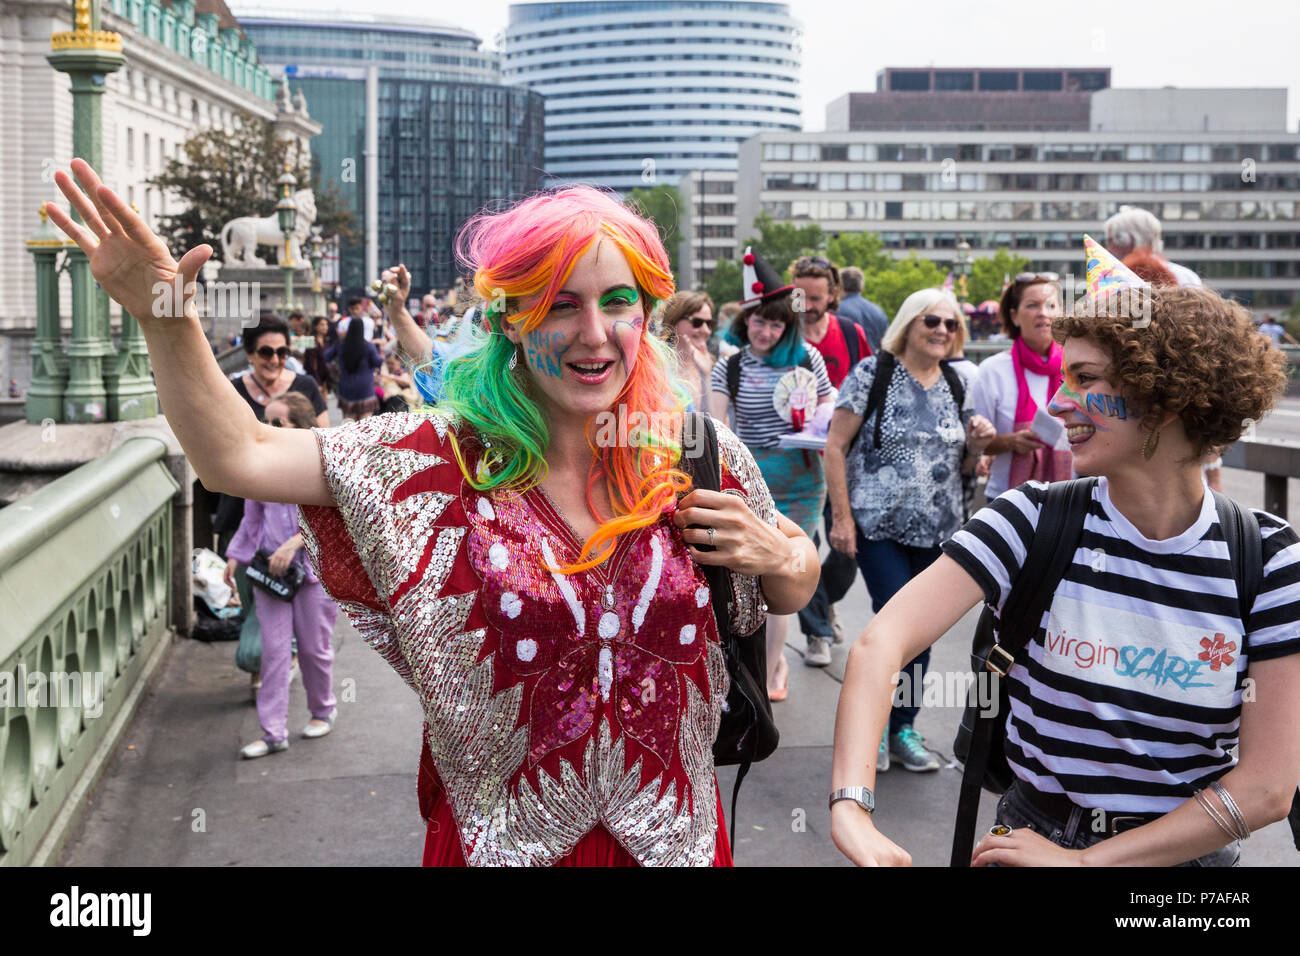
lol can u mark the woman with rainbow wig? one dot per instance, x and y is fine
(522, 553)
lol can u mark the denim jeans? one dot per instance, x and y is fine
(886, 567)
(1076, 833)
(837, 574)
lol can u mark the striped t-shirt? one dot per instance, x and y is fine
(1129, 696)
(755, 419)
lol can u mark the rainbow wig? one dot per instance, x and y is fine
(528, 249)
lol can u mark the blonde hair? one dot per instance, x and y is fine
(918, 304)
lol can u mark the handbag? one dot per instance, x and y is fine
(284, 586)
(747, 732)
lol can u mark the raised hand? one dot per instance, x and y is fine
(399, 277)
(127, 258)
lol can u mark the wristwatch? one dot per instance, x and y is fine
(859, 795)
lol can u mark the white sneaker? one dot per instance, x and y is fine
(819, 652)
(882, 754)
(260, 748)
(320, 730)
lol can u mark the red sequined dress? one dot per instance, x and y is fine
(569, 719)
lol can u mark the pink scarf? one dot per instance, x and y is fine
(1042, 464)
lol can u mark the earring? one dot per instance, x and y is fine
(1149, 446)
(514, 360)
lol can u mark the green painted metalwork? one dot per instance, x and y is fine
(85, 565)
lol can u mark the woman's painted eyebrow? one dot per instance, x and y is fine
(1075, 366)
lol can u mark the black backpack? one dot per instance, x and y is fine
(747, 732)
(885, 362)
(980, 738)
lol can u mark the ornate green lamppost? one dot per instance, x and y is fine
(287, 213)
(49, 363)
(87, 54)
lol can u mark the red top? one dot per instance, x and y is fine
(835, 351)
(569, 717)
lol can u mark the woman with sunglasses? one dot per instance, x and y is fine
(357, 360)
(894, 503)
(1015, 385)
(268, 377)
(688, 317)
(539, 590)
(307, 619)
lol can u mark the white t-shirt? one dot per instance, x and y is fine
(996, 392)
(367, 323)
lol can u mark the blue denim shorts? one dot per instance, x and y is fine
(1076, 833)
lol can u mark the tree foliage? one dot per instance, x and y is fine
(890, 286)
(988, 275)
(723, 284)
(224, 174)
(662, 204)
(783, 242)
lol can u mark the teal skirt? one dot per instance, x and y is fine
(797, 483)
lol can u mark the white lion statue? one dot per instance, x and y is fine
(241, 237)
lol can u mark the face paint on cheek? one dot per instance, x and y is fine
(1066, 399)
(627, 337)
(545, 353)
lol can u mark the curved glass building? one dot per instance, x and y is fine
(645, 91)
(419, 131)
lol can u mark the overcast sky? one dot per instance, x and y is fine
(1148, 43)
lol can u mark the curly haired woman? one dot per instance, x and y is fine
(538, 590)
(1129, 703)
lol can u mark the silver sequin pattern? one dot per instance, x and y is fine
(475, 735)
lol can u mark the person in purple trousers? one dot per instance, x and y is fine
(310, 614)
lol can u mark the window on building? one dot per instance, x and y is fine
(998, 80)
(959, 80)
(1046, 81)
(130, 146)
(909, 80)
(144, 149)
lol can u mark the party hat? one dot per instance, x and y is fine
(1106, 273)
(760, 281)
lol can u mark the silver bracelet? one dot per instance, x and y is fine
(1215, 815)
(1233, 809)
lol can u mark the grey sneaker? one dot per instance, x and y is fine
(882, 755)
(819, 652)
(909, 748)
(836, 629)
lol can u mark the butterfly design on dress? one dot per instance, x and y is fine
(608, 640)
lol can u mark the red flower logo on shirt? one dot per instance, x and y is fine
(1217, 651)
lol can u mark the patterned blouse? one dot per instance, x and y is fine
(908, 490)
(555, 704)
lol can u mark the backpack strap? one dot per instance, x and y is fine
(955, 384)
(851, 331)
(1056, 538)
(706, 473)
(1245, 544)
(733, 376)
(879, 386)
(805, 361)
(1245, 551)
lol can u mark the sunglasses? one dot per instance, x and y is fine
(932, 322)
(267, 352)
(701, 323)
(805, 261)
(1037, 277)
